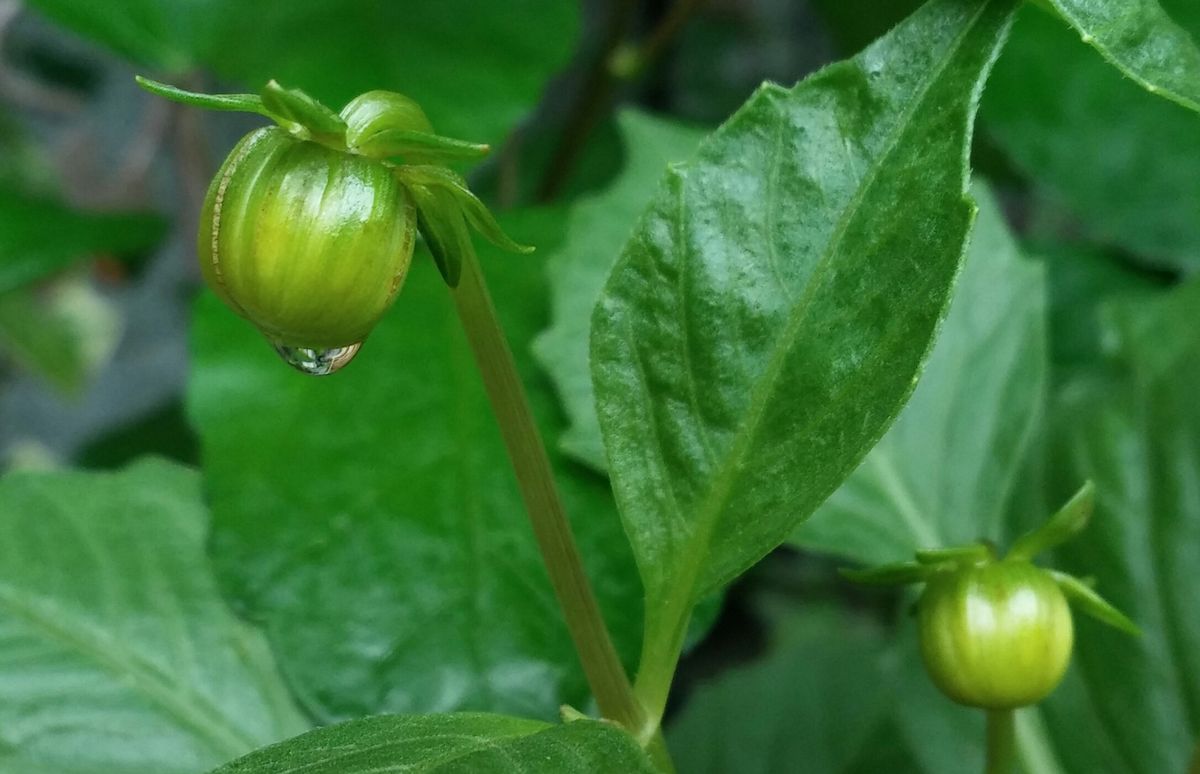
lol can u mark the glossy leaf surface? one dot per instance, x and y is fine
(372, 520)
(1142, 41)
(943, 474)
(769, 315)
(475, 68)
(466, 743)
(596, 228)
(117, 654)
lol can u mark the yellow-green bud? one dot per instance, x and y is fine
(995, 635)
(309, 243)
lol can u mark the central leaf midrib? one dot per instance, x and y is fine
(725, 478)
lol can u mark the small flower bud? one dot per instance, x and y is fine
(308, 243)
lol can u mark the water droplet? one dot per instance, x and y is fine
(316, 362)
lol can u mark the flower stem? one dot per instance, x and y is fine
(1001, 750)
(603, 668)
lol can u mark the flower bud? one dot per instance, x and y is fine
(995, 635)
(309, 243)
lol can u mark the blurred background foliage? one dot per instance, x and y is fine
(368, 522)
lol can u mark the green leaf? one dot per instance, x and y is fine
(1141, 40)
(116, 652)
(466, 743)
(372, 519)
(476, 68)
(814, 702)
(769, 315)
(41, 236)
(1135, 430)
(1125, 163)
(596, 227)
(1064, 525)
(945, 472)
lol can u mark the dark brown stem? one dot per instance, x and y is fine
(594, 98)
(664, 34)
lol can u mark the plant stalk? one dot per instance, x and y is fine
(603, 668)
(1001, 738)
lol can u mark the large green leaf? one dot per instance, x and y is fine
(465, 743)
(943, 474)
(1125, 163)
(1136, 433)
(371, 518)
(814, 702)
(39, 236)
(475, 67)
(1142, 41)
(117, 655)
(767, 319)
(595, 231)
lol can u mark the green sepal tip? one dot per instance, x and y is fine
(242, 103)
(1082, 595)
(441, 224)
(1070, 520)
(420, 147)
(297, 107)
(972, 553)
(453, 188)
(899, 574)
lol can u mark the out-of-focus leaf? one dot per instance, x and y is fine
(39, 341)
(117, 655)
(474, 67)
(372, 519)
(1142, 41)
(944, 473)
(814, 702)
(21, 165)
(63, 334)
(1136, 432)
(1082, 281)
(465, 743)
(164, 432)
(768, 317)
(41, 236)
(1126, 163)
(596, 229)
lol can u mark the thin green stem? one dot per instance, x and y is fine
(603, 669)
(1001, 737)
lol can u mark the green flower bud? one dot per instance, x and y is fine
(308, 229)
(308, 243)
(995, 635)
